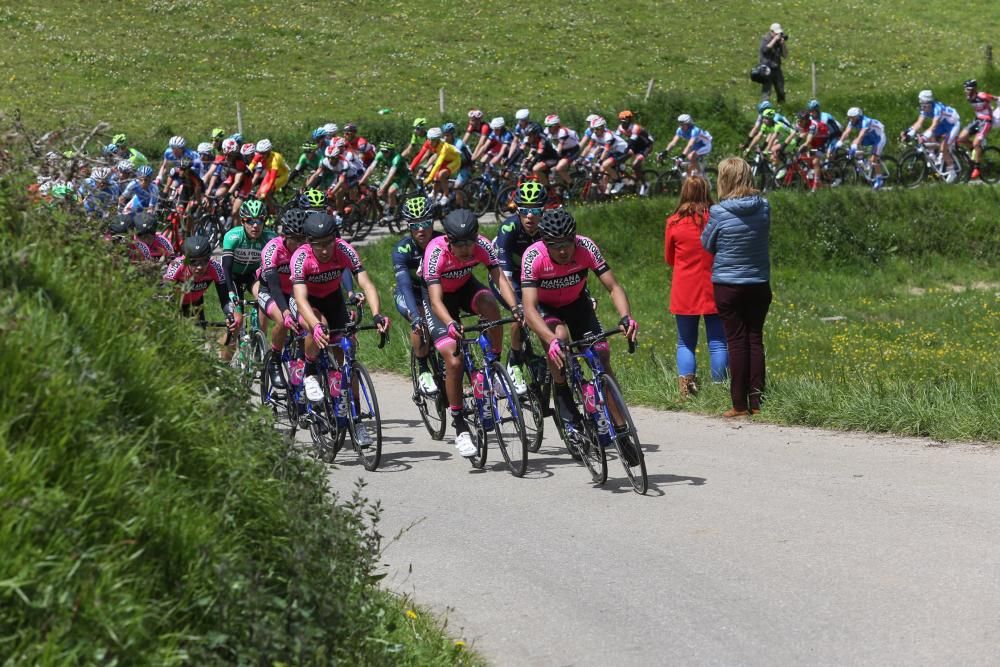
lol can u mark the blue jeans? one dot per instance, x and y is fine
(687, 343)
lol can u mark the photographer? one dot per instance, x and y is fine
(774, 47)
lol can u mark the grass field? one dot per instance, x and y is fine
(157, 68)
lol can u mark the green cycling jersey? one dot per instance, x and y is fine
(244, 250)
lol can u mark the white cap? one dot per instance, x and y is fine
(551, 120)
(497, 123)
(776, 27)
(522, 114)
(263, 146)
(592, 117)
(434, 133)
(853, 112)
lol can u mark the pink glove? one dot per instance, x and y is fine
(555, 350)
(455, 330)
(290, 322)
(319, 335)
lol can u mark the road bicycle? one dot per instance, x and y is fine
(252, 345)
(433, 407)
(989, 165)
(857, 169)
(670, 181)
(923, 161)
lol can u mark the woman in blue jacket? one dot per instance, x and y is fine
(737, 234)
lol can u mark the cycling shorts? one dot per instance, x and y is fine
(701, 148)
(264, 298)
(578, 316)
(244, 283)
(619, 158)
(461, 300)
(462, 177)
(876, 141)
(331, 307)
(979, 127)
(946, 130)
(569, 153)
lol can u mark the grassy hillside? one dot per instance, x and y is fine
(159, 67)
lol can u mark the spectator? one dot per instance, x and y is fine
(691, 294)
(773, 47)
(737, 234)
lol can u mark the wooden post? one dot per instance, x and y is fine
(649, 90)
(441, 100)
(239, 119)
(814, 79)
(989, 56)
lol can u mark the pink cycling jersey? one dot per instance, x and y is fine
(179, 272)
(323, 279)
(982, 106)
(275, 257)
(559, 285)
(441, 267)
(160, 247)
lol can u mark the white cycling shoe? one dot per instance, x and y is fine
(363, 436)
(314, 392)
(466, 447)
(426, 383)
(517, 377)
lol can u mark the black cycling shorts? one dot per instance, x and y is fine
(332, 307)
(457, 302)
(579, 316)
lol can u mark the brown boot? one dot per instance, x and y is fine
(692, 383)
(682, 386)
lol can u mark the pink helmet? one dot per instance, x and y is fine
(475, 114)
(248, 149)
(229, 146)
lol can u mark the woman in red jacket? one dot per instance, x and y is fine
(691, 294)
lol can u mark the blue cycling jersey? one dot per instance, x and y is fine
(945, 113)
(98, 199)
(694, 132)
(141, 198)
(511, 243)
(170, 158)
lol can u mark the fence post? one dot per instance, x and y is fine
(649, 90)
(441, 100)
(239, 119)
(989, 56)
(814, 79)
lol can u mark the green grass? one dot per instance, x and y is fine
(158, 68)
(148, 514)
(913, 273)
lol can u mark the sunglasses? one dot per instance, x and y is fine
(560, 245)
(254, 222)
(425, 224)
(529, 211)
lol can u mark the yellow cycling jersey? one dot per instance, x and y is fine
(273, 162)
(447, 156)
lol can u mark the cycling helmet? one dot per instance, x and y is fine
(333, 151)
(119, 140)
(531, 193)
(144, 223)
(350, 127)
(247, 150)
(461, 225)
(854, 112)
(264, 145)
(387, 145)
(331, 129)
(522, 114)
(110, 149)
(101, 174)
(925, 97)
(497, 123)
(293, 222)
(768, 114)
(52, 156)
(218, 133)
(318, 134)
(309, 146)
(252, 209)
(205, 148)
(419, 123)
(533, 128)
(415, 209)
(598, 122)
(813, 105)
(589, 119)
(804, 117)
(626, 115)
(684, 119)
(319, 225)
(764, 105)
(475, 114)
(313, 198)
(145, 171)
(185, 163)
(229, 146)
(434, 133)
(120, 225)
(448, 128)
(557, 223)
(551, 120)
(237, 137)
(177, 142)
(197, 247)
(970, 84)
(125, 166)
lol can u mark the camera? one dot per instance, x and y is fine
(784, 37)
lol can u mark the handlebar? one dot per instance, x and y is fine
(590, 341)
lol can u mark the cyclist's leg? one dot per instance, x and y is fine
(483, 304)
(453, 363)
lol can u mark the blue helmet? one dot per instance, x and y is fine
(813, 105)
(318, 134)
(764, 105)
(110, 149)
(237, 137)
(448, 127)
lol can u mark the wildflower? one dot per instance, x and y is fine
(411, 614)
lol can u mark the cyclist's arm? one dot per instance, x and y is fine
(371, 294)
(689, 146)
(617, 292)
(506, 290)
(861, 135)
(273, 282)
(529, 297)
(404, 284)
(918, 123)
(315, 177)
(301, 294)
(670, 146)
(227, 270)
(368, 173)
(388, 178)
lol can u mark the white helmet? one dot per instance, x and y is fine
(229, 146)
(497, 123)
(598, 122)
(591, 117)
(475, 113)
(925, 96)
(264, 145)
(101, 174)
(854, 112)
(684, 118)
(125, 166)
(247, 149)
(551, 120)
(434, 133)
(177, 142)
(333, 151)
(331, 128)
(205, 147)
(522, 114)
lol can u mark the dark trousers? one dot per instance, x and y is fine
(778, 80)
(742, 309)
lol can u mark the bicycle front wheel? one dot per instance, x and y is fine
(989, 166)
(623, 433)
(365, 415)
(508, 423)
(912, 170)
(432, 408)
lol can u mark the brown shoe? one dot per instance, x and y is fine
(682, 387)
(755, 411)
(733, 412)
(692, 383)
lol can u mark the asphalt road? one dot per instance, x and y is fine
(756, 545)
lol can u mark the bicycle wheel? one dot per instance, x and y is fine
(504, 205)
(963, 163)
(711, 174)
(594, 457)
(433, 409)
(478, 432)
(508, 424)
(259, 347)
(646, 186)
(889, 171)
(624, 435)
(912, 169)
(480, 196)
(668, 184)
(364, 412)
(276, 399)
(989, 166)
(323, 425)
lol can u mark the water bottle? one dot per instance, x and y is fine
(298, 371)
(384, 112)
(589, 398)
(334, 378)
(477, 385)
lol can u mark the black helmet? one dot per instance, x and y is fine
(319, 225)
(557, 223)
(144, 223)
(197, 247)
(971, 83)
(185, 163)
(461, 225)
(120, 225)
(293, 222)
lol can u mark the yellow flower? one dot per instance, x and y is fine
(459, 644)
(411, 614)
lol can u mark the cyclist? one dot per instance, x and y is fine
(776, 136)
(516, 233)
(492, 150)
(206, 158)
(343, 168)
(451, 288)
(194, 272)
(417, 138)
(140, 194)
(123, 173)
(312, 199)
(522, 123)
(478, 128)
(567, 144)
(611, 151)
(541, 154)
(144, 225)
(230, 175)
(699, 142)
(318, 303)
(815, 136)
(557, 307)
(118, 232)
(122, 150)
(448, 161)
(396, 180)
(270, 173)
(99, 193)
(871, 132)
(586, 141)
(274, 285)
(759, 123)
(944, 128)
(218, 136)
(175, 151)
(465, 171)
(836, 129)
(640, 142)
(358, 145)
(310, 157)
(186, 189)
(241, 248)
(407, 255)
(983, 108)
